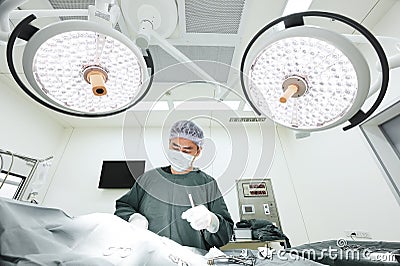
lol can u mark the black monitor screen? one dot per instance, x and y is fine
(120, 174)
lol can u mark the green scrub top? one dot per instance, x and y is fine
(162, 197)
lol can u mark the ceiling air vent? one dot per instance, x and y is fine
(211, 16)
(215, 60)
(74, 4)
(68, 4)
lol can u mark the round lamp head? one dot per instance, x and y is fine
(306, 78)
(83, 67)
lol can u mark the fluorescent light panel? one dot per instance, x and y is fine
(247, 108)
(295, 6)
(154, 106)
(187, 105)
(206, 105)
(234, 105)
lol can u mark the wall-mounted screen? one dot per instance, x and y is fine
(120, 174)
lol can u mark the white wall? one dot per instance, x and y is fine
(324, 184)
(74, 186)
(339, 185)
(77, 176)
(25, 128)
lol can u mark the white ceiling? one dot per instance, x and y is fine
(227, 48)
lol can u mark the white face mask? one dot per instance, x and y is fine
(179, 161)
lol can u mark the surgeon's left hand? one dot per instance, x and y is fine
(200, 218)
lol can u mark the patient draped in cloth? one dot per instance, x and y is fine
(179, 201)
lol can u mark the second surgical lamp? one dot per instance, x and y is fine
(309, 78)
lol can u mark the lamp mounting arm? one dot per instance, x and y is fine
(6, 7)
(180, 57)
(170, 49)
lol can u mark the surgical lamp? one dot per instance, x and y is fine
(81, 68)
(308, 78)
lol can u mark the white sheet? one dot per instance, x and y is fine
(45, 236)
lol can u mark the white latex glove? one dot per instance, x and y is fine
(200, 218)
(138, 220)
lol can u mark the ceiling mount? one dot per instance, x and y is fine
(161, 14)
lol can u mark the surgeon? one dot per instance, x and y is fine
(179, 201)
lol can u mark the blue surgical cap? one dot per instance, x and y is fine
(187, 130)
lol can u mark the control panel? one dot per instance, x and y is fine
(255, 190)
(257, 200)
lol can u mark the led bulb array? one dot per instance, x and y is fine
(57, 69)
(330, 75)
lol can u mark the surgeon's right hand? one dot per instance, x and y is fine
(138, 220)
